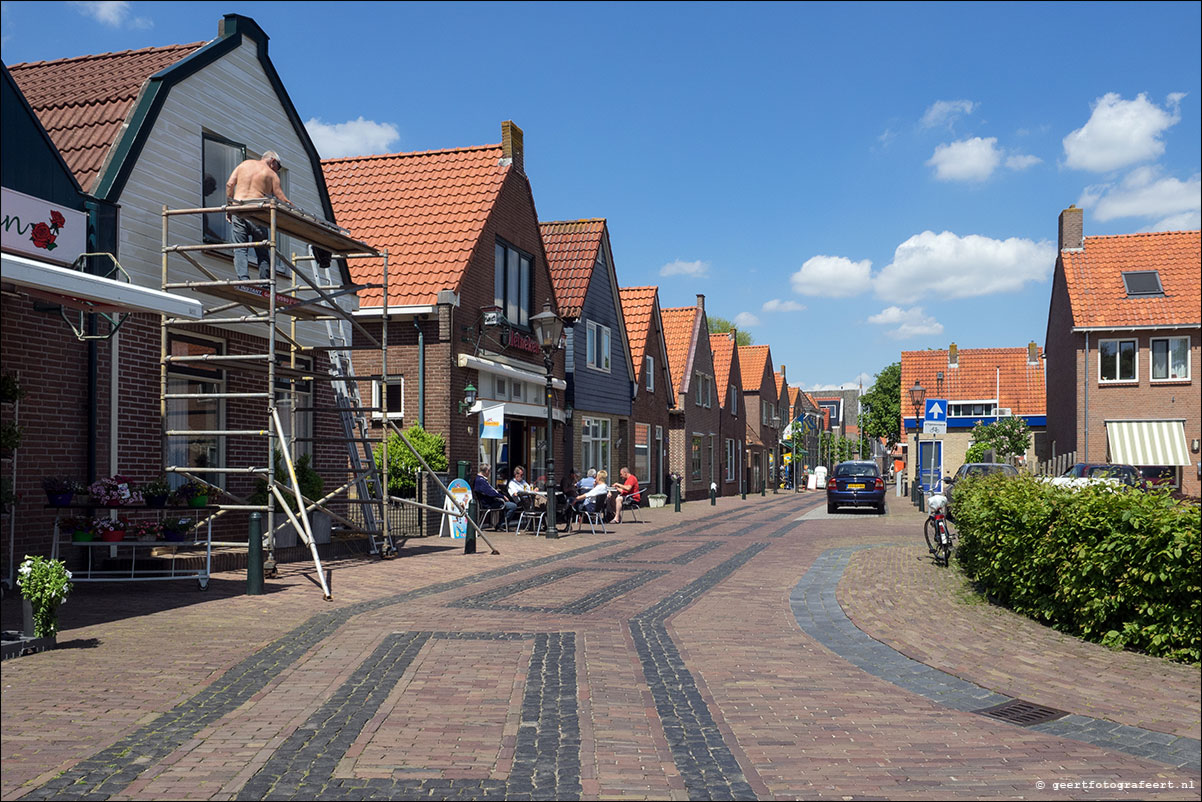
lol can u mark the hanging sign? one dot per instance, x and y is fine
(41, 229)
(461, 492)
(492, 423)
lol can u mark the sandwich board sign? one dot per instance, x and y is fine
(934, 416)
(461, 492)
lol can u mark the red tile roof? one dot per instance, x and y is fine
(679, 324)
(428, 209)
(638, 306)
(1098, 296)
(983, 373)
(752, 359)
(724, 353)
(572, 247)
(794, 396)
(83, 102)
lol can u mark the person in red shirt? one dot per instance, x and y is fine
(627, 486)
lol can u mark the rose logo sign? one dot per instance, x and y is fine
(44, 235)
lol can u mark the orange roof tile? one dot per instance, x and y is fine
(752, 359)
(780, 383)
(1098, 296)
(572, 247)
(794, 396)
(982, 374)
(83, 102)
(638, 306)
(679, 324)
(723, 348)
(428, 209)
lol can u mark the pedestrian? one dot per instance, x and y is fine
(251, 180)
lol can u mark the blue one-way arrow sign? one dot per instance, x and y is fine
(934, 416)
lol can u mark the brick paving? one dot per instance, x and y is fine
(670, 659)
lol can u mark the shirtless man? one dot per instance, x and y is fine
(253, 179)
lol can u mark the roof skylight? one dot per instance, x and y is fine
(1142, 282)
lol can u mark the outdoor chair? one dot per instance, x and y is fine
(630, 506)
(495, 515)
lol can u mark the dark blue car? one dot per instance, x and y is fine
(856, 484)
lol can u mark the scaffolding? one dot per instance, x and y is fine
(271, 313)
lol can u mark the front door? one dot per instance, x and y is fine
(930, 465)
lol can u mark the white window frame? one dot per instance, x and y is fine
(955, 408)
(196, 372)
(649, 369)
(591, 444)
(598, 346)
(731, 459)
(1117, 358)
(1169, 355)
(703, 396)
(377, 401)
(517, 310)
(733, 402)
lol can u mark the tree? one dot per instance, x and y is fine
(1004, 437)
(720, 325)
(882, 406)
(402, 465)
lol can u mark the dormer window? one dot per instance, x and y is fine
(1142, 283)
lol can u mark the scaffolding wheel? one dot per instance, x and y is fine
(269, 570)
(388, 553)
(203, 583)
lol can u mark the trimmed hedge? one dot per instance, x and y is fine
(1115, 566)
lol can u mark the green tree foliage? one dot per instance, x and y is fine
(833, 450)
(1114, 565)
(720, 325)
(402, 465)
(1004, 437)
(882, 406)
(312, 486)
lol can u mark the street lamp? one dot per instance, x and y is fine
(918, 396)
(548, 329)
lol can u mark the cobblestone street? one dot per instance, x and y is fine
(759, 649)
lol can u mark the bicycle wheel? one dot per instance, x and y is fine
(929, 535)
(943, 552)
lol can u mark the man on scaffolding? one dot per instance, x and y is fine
(251, 180)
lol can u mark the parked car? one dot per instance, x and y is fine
(974, 469)
(856, 484)
(1093, 473)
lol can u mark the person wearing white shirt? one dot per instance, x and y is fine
(600, 489)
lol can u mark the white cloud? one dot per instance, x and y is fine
(352, 138)
(1022, 162)
(1120, 132)
(912, 322)
(946, 112)
(950, 266)
(832, 277)
(1146, 192)
(745, 320)
(777, 305)
(114, 14)
(967, 160)
(696, 269)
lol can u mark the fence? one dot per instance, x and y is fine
(1056, 465)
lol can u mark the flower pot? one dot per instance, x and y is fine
(81, 536)
(175, 535)
(60, 499)
(113, 537)
(656, 500)
(148, 538)
(198, 501)
(156, 502)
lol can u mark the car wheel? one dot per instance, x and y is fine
(830, 508)
(880, 510)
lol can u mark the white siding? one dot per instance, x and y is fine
(232, 98)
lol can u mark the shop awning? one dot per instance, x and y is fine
(500, 369)
(1147, 442)
(79, 290)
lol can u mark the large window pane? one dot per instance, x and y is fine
(220, 158)
(524, 293)
(499, 277)
(512, 287)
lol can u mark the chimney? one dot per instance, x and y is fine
(701, 302)
(511, 147)
(734, 334)
(953, 356)
(1072, 229)
(1032, 353)
(783, 380)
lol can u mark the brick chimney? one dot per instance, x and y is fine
(1072, 229)
(783, 380)
(701, 302)
(733, 335)
(1032, 353)
(511, 147)
(953, 356)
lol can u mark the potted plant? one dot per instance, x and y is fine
(59, 490)
(111, 492)
(145, 531)
(44, 584)
(657, 499)
(80, 527)
(192, 493)
(176, 528)
(155, 492)
(110, 530)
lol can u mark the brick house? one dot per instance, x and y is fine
(467, 270)
(693, 449)
(654, 395)
(1122, 343)
(600, 373)
(979, 385)
(727, 383)
(761, 400)
(140, 130)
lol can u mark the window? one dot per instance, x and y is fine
(393, 398)
(704, 393)
(642, 451)
(594, 437)
(500, 388)
(1170, 359)
(517, 391)
(220, 157)
(1117, 361)
(1142, 282)
(649, 369)
(697, 456)
(971, 409)
(597, 346)
(710, 453)
(198, 413)
(294, 400)
(731, 458)
(659, 458)
(512, 275)
(733, 402)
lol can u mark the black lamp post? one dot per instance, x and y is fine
(918, 395)
(548, 329)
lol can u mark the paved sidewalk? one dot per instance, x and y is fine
(661, 660)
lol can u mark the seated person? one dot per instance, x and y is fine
(522, 491)
(628, 488)
(570, 483)
(586, 484)
(487, 496)
(593, 499)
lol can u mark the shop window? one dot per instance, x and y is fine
(1118, 361)
(1170, 359)
(512, 274)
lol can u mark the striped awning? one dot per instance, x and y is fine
(1147, 442)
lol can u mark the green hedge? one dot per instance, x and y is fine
(1120, 567)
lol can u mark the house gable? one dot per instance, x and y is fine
(41, 171)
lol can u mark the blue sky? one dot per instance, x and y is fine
(847, 181)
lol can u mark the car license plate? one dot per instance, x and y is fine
(855, 487)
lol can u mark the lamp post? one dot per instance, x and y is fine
(918, 395)
(548, 329)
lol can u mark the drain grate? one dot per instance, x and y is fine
(1024, 714)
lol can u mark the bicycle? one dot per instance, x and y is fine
(936, 530)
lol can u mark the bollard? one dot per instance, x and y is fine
(763, 488)
(469, 535)
(676, 493)
(254, 555)
(713, 494)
